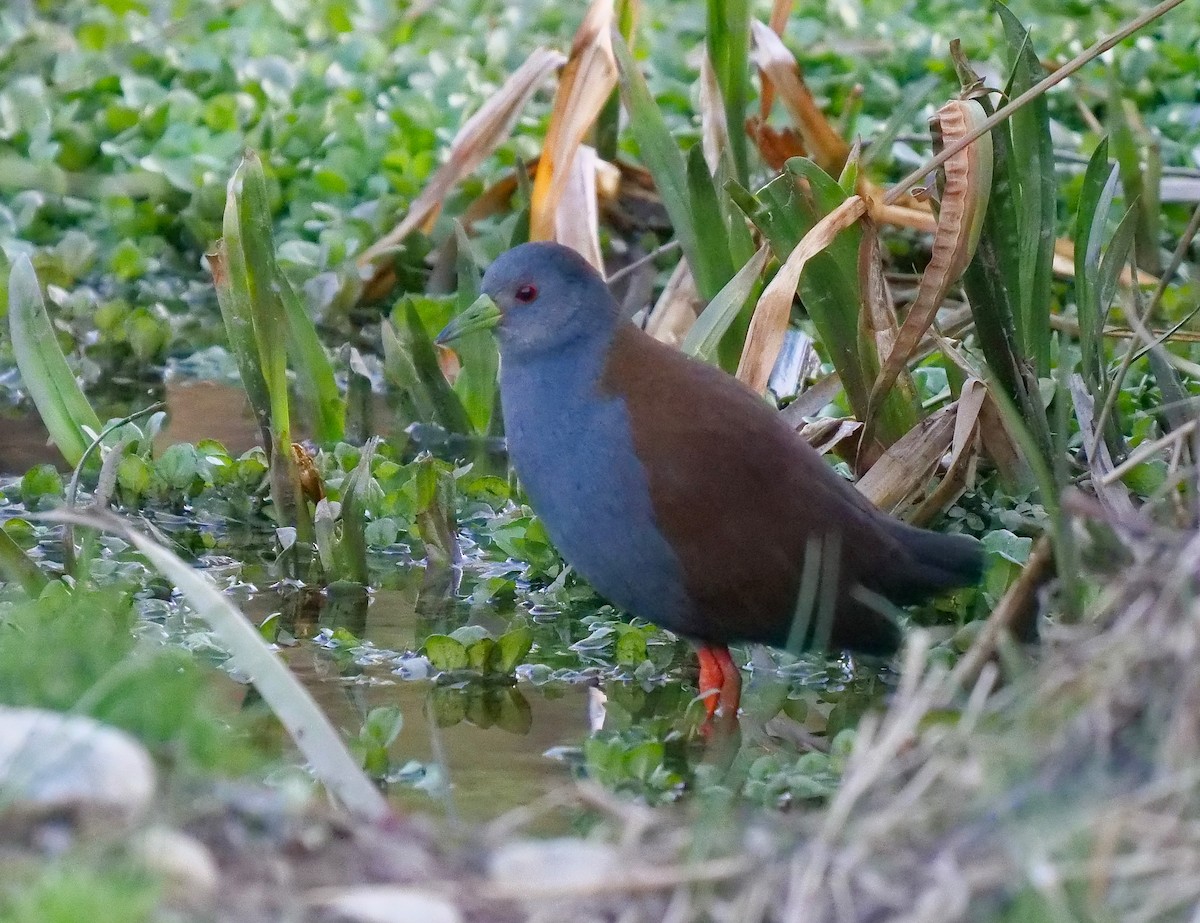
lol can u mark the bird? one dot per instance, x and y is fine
(679, 494)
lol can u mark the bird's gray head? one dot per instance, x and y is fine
(548, 296)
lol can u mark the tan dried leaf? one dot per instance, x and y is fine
(578, 215)
(587, 81)
(964, 454)
(769, 323)
(714, 129)
(778, 65)
(775, 145)
(905, 466)
(677, 307)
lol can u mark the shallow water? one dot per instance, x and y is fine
(471, 751)
(195, 410)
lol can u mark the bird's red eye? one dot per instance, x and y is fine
(526, 293)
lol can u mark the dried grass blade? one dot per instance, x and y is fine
(960, 471)
(1114, 496)
(765, 336)
(478, 137)
(51, 384)
(1013, 608)
(587, 81)
(905, 466)
(577, 218)
(677, 307)
(714, 126)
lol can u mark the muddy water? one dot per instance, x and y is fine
(195, 410)
(467, 770)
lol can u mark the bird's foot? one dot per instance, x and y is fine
(720, 681)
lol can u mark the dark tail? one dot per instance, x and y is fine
(936, 562)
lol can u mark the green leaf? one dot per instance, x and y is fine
(1116, 257)
(476, 382)
(705, 335)
(40, 485)
(1095, 207)
(134, 475)
(666, 164)
(18, 567)
(250, 219)
(1034, 186)
(642, 760)
(479, 654)
(412, 362)
(1011, 547)
(446, 653)
(514, 645)
(44, 371)
(314, 370)
(631, 647)
(383, 725)
(711, 233)
(179, 465)
(1140, 165)
(728, 39)
(351, 551)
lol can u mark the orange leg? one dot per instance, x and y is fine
(720, 679)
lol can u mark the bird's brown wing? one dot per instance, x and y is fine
(738, 494)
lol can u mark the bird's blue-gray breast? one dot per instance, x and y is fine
(573, 450)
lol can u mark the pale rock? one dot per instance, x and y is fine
(564, 864)
(52, 764)
(188, 871)
(389, 904)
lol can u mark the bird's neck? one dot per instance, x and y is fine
(567, 375)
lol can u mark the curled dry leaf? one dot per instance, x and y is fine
(587, 81)
(767, 327)
(310, 477)
(478, 137)
(964, 205)
(776, 145)
(778, 66)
